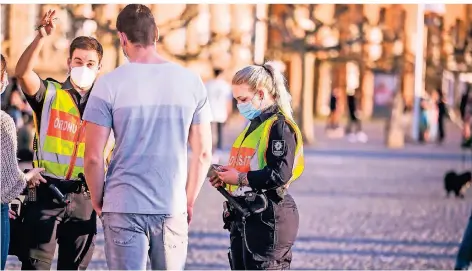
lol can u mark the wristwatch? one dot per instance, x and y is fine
(41, 31)
(242, 179)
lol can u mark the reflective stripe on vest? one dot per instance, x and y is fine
(61, 136)
(248, 154)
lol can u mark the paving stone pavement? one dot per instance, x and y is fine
(358, 210)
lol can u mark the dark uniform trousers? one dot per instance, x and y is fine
(72, 227)
(265, 242)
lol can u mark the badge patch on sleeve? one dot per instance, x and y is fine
(278, 147)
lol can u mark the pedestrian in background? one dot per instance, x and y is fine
(156, 109)
(220, 98)
(333, 128)
(354, 126)
(17, 107)
(442, 113)
(433, 115)
(467, 118)
(266, 157)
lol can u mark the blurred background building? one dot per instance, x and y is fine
(363, 48)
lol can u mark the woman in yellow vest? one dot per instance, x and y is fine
(265, 158)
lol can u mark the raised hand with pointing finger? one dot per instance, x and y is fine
(46, 25)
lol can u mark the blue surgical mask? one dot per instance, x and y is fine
(248, 111)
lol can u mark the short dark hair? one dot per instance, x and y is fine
(217, 72)
(4, 64)
(86, 43)
(137, 22)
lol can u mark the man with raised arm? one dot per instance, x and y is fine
(59, 148)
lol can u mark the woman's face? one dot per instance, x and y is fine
(4, 80)
(243, 94)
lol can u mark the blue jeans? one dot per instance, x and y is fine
(5, 234)
(464, 256)
(131, 238)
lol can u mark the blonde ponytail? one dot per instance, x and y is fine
(270, 78)
(280, 92)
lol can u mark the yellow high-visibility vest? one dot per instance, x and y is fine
(61, 138)
(249, 153)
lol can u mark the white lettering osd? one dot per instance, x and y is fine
(241, 161)
(64, 125)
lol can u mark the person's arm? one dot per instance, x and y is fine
(99, 118)
(200, 141)
(280, 157)
(27, 78)
(96, 138)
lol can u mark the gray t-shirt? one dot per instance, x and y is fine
(150, 108)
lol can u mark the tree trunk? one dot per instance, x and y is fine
(306, 104)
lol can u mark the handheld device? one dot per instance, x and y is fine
(213, 170)
(243, 211)
(58, 194)
(15, 206)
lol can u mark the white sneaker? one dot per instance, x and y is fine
(362, 137)
(351, 138)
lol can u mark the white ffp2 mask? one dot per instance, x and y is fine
(82, 76)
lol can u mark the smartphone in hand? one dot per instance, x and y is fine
(213, 170)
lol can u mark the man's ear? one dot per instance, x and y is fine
(99, 67)
(157, 34)
(69, 61)
(123, 38)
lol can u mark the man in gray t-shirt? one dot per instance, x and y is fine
(154, 108)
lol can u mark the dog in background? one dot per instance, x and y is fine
(457, 183)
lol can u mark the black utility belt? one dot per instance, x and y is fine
(59, 189)
(254, 202)
(275, 195)
(67, 187)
